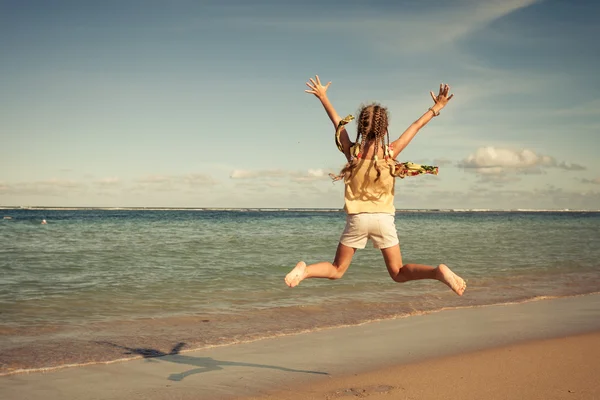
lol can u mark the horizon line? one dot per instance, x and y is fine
(333, 209)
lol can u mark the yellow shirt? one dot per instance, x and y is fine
(364, 195)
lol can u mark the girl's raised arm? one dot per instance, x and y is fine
(320, 91)
(440, 102)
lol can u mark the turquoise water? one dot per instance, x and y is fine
(142, 278)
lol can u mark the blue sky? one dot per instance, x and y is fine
(201, 103)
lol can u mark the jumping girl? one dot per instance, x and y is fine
(369, 180)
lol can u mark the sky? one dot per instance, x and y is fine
(181, 103)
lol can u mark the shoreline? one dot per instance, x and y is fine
(199, 320)
(264, 366)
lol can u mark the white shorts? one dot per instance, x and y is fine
(379, 227)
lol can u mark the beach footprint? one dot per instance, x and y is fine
(361, 392)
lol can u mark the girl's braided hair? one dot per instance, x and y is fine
(372, 127)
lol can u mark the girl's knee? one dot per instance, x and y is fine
(399, 277)
(339, 272)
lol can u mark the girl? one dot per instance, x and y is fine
(369, 178)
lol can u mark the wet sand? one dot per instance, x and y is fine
(544, 349)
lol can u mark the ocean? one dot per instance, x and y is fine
(103, 285)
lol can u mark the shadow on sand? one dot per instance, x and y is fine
(205, 364)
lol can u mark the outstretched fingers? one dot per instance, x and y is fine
(442, 96)
(446, 91)
(312, 86)
(318, 83)
(433, 97)
(316, 87)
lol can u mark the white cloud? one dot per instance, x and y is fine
(494, 161)
(317, 173)
(310, 175)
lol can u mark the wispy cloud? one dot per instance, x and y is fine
(401, 29)
(595, 181)
(108, 182)
(589, 108)
(310, 175)
(488, 83)
(65, 187)
(499, 197)
(50, 187)
(258, 174)
(174, 182)
(195, 180)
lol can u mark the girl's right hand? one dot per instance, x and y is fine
(317, 88)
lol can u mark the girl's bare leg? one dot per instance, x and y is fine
(335, 270)
(411, 272)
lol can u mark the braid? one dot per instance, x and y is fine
(362, 122)
(387, 133)
(376, 161)
(365, 125)
(380, 122)
(377, 132)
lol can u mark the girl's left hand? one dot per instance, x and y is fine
(442, 98)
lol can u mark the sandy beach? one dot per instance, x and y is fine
(544, 349)
(561, 368)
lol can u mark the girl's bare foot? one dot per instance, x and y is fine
(296, 275)
(454, 281)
